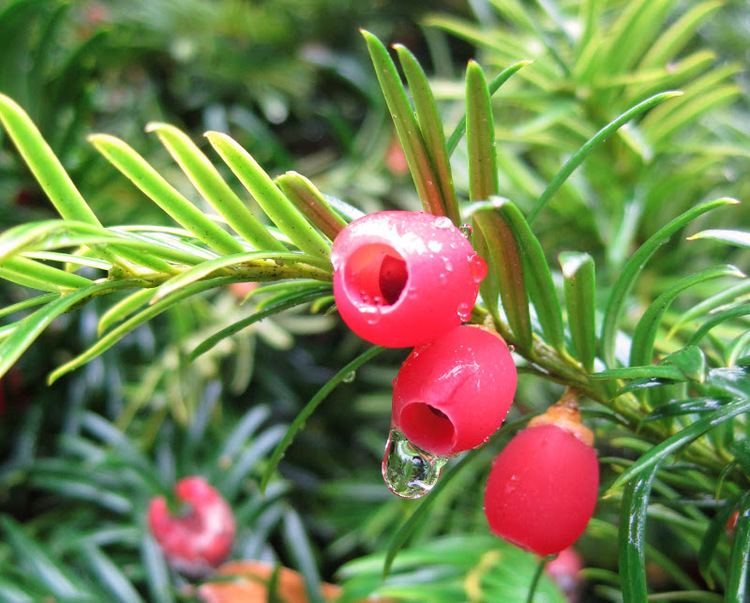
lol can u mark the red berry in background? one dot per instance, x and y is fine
(732, 523)
(453, 393)
(542, 488)
(198, 541)
(404, 278)
(565, 571)
(395, 160)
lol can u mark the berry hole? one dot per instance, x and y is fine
(427, 427)
(376, 275)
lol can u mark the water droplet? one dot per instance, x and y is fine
(466, 230)
(409, 471)
(350, 376)
(478, 268)
(435, 246)
(464, 311)
(373, 315)
(448, 265)
(443, 222)
(443, 278)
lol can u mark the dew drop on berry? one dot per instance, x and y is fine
(463, 311)
(371, 313)
(409, 471)
(443, 222)
(478, 268)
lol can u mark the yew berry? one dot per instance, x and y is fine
(403, 278)
(542, 488)
(199, 540)
(565, 570)
(453, 393)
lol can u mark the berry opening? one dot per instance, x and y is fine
(376, 274)
(427, 427)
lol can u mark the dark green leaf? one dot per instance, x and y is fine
(298, 544)
(480, 136)
(739, 562)
(632, 536)
(109, 575)
(633, 267)
(496, 242)
(717, 319)
(405, 531)
(644, 336)
(407, 127)
(580, 298)
(714, 533)
(681, 439)
(676, 408)
(651, 371)
(157, 574)
(37, 563)
(494, 86)
(577, 158)
(120, 331)
(295, 299)
(537, 276)
(33, 325)
(431, 128)
(691, 361)
(309, 409)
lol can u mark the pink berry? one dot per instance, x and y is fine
(404, 278)
(565, 570)
(453, 393)
(198, 541)
(542, 488)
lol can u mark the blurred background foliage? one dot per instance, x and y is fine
(291, 81)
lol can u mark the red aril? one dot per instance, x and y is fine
(404, 278)
(542, 488)
(199, 540)
(453, 393)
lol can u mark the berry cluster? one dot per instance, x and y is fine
(405, 279)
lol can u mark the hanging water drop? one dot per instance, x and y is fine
(466, 230)
(409, 471)
(350, 376)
